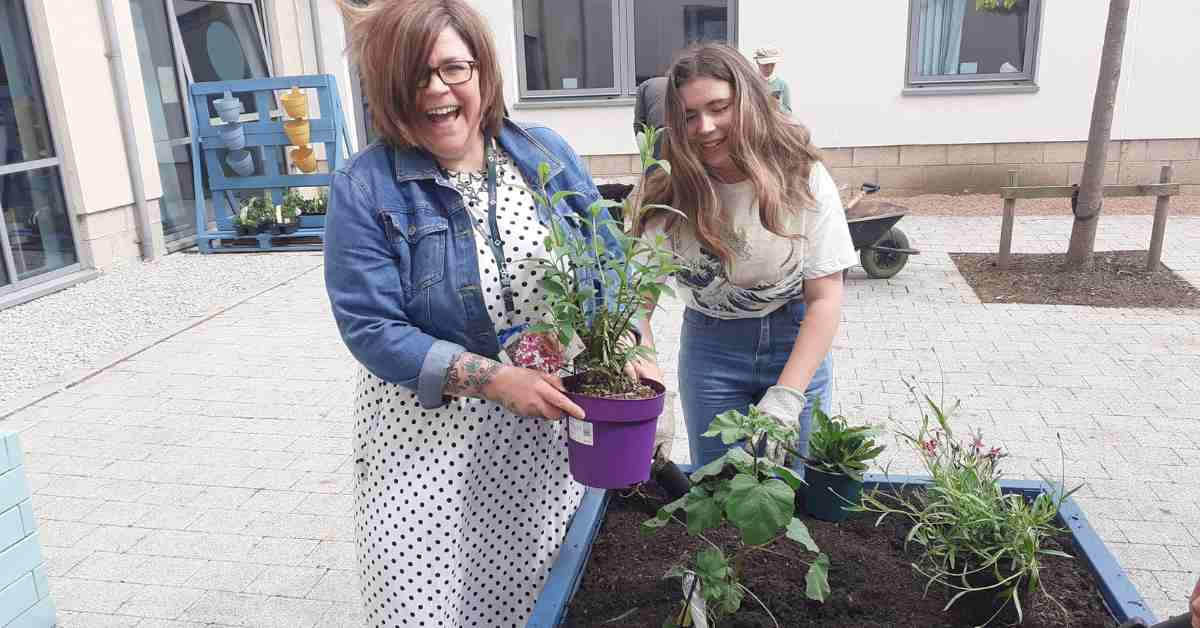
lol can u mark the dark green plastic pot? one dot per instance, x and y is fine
(820, 499)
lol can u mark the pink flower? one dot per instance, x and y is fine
(539, 351)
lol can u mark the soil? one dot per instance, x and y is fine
(604, 386)
(872, 581)
(1116, 279)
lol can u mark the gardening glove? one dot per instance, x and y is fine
(784, 404)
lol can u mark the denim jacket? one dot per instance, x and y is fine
(401, 267)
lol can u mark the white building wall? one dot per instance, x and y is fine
(845, 62)
(82, 93)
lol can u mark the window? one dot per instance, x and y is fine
(36, 239)
(222, 42)
(605, 48)
(957, 42)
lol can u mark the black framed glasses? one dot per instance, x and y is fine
(450, 73)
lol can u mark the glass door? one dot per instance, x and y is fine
(180, 42)
(37, 241)
(168, 119)
(222, 41)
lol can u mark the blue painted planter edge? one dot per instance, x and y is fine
(1118, 592)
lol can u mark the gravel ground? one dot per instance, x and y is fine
(992, 205)
(81, 326)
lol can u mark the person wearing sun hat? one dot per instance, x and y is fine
(766, 58)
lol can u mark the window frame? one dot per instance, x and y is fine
(1022, 80)
(624, 62)
(51, 101)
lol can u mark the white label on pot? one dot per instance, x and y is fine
(580, 431)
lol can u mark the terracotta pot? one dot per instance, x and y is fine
(304, 158)
(297, 131)
(295, 103)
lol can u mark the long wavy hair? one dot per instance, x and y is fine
(771, 148)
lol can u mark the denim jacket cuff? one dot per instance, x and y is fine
(432, 379)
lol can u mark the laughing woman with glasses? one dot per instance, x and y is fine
(462, 491)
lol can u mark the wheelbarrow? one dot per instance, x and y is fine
(883, 248)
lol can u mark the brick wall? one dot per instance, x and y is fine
(980, 168)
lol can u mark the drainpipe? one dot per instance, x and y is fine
(140, 211)
(315, 18)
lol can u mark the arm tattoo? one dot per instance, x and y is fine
(468, 374)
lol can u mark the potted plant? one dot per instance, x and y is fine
(753, 494)
(312, 211)
(1001, 7)
(838, 456)
(244, 225)
(289, 211)
(612, 447)
(974, 539)
(260, 212)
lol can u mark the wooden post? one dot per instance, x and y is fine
(1006, 225)
(1160, 223)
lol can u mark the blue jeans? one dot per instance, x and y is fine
(729, 364)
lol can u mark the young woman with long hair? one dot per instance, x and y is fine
(764, 246)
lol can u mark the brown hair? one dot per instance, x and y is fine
(773, 149)
(390, 42)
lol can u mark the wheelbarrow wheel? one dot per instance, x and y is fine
(884, 264)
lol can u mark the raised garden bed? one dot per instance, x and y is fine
(871, 580)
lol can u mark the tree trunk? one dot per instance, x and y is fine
(1091, 185)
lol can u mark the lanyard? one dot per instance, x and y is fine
(494, 241)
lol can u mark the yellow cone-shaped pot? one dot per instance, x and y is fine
(305, 159)
(297, 131)
(295, 103)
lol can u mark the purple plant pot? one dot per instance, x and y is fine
(613, 447)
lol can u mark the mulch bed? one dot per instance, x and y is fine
(1116, 279)
(873, 584)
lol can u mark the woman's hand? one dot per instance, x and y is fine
(526, 392)
(638, 370)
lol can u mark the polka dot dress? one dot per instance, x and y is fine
(459, 511)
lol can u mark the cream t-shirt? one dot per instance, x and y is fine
(767, 270)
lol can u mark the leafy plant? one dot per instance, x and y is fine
(753, 494)
(293, 205)
(576, 269)
(974, 538)
(244, 224)
(316, 205)
(998, 6)
(835, 447)
(257, 211)
(260, 208)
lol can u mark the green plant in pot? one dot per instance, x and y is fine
(838, 456)
(753, 494)
(261, 211)
(612, 448)
(1001, 7)
(245, 225)
(973, 539)
(289, 212)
